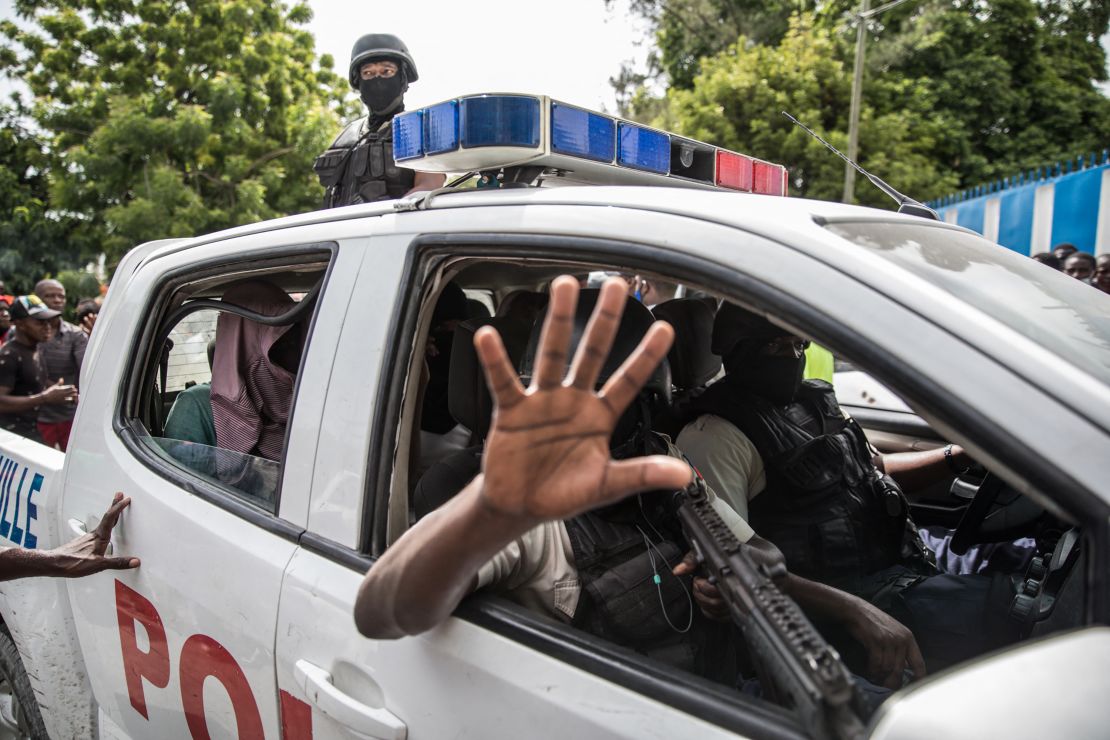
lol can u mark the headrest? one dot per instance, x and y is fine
(450, 306)
(635, 322)
(692, 361)
(734, 324)
(475, 309)
(468, 398)
(525, 305)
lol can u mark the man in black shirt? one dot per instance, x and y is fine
(23, 380)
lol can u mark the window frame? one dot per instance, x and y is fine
(630, 670)
(130, 428)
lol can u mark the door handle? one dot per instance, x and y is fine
(378, 723)
(78, 528)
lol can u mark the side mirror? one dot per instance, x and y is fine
(1054, 687)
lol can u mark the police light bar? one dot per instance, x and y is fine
(486, 132)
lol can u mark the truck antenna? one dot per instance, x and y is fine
(906, 204)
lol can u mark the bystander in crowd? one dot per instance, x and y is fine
(62, 354)
(24, 386)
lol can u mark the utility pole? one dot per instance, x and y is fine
(857, 93)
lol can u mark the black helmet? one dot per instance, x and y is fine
(375, 46)
(733, 325)
(635, 321)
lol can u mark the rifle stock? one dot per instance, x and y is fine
(796, 666)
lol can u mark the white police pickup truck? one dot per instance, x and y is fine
(239, 621)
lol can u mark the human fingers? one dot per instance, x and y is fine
(100, 564)
(630, 377)
(551, 354)
(501, 377)
(709, 599)
(894, 667)
(915, 660)
(687, 565)
(625, 477)
(597, 340)
(111, 516)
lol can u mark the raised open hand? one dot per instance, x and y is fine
(547, 454)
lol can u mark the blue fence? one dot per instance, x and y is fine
(1035, 210)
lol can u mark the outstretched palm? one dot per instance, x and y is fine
(547, 455)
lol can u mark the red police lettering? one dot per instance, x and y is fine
(296, 717)
(154, 665)
(202, 657)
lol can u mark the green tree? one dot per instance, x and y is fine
(992, 86)
(737, 98)
(173, 119)
(33, 241)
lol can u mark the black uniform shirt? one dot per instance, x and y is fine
(22, 370)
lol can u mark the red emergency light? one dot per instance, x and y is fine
(769, 179)
(734, 171)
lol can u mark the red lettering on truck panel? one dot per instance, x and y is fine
(296, 717)
(202, 657)
(154, 666)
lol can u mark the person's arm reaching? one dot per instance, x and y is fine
(913, 471)
(890, 646)
(53, 395)
(546, 458)
(82, 556)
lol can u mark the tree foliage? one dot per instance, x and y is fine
(33, 241)
(737, 98)
(957, 92)
(168, 118)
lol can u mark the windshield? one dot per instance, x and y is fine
(1064, 315)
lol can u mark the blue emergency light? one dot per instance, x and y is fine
(574, 145)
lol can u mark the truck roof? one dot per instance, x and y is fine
(1049, 327)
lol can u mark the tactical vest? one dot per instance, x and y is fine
(836, 518)
(629, 595)
(358, 167)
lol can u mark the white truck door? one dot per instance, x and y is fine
(183, 646)
(468, 678)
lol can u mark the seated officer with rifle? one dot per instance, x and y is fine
(550, 490)
(358, 167)
(784, 455)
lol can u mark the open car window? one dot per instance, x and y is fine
(216, 387)
(446, 416)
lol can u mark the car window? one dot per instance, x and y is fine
(440, 438)
(216, 400)
(188, 363)
(1056, 311)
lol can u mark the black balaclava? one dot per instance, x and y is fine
(383, 95)
(774, 378)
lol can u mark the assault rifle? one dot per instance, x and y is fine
(796, 667)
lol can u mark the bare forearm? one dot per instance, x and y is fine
(913, 471)
(19, 404)
(17, 562)
(420, 580)
(818, 599)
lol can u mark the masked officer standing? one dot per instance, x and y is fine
(358, 167)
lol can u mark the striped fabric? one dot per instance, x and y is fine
(62, 355)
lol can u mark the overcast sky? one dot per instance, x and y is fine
(564, 48)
